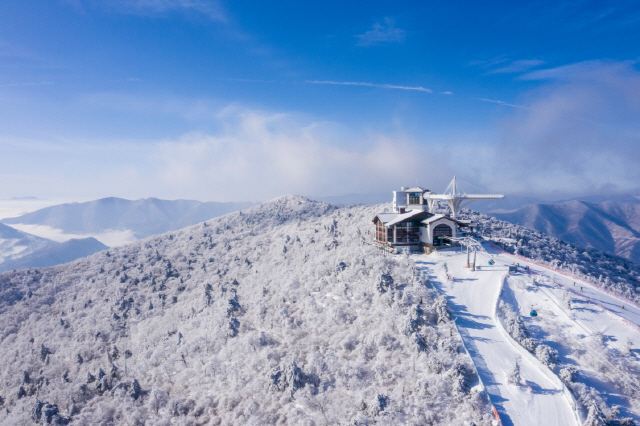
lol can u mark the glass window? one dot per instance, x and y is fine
(442, 230)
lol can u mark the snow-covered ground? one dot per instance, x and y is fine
(279, 314)
(472, 297)
(589, 328)
(592, 337)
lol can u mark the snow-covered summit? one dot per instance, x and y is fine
(278, 314)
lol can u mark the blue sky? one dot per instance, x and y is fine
(251, 99)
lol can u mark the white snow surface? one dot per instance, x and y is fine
(280, 314)
(597, 336)
(472, 297)
(275, 315)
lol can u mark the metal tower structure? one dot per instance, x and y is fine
(457, 199)
(472, 245)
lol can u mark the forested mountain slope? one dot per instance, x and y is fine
(144, 217)
(610, 226)
(609, 271)
(55, 254)
(275, 315)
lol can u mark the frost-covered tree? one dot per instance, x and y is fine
(595, 417)
(514, 375)
(218, 324)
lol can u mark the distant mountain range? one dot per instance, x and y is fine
(143, 217)
(20, 250)
(612, 226)
(55, 254)
(14, 243)
(94, 220)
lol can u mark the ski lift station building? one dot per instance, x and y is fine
(411, 226)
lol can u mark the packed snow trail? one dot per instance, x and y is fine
(472, 297)
(625, 311)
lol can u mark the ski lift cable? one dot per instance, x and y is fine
(484, 190)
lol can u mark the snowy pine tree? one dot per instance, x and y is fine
(514, 375)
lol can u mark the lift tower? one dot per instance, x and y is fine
(457, 199)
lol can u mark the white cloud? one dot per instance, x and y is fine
(382, 33)
(210, 8)
(519, 66)
(264, 155)
(255, 155)
(580, 132)
(383, 86)
(111, 238)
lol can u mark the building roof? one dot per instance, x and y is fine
(390, 219)
(436, 217)
(417, 189)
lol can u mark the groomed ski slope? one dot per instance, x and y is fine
(472, 297)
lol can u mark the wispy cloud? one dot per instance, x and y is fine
(519, 66)
(383, 86)
(210, 8)
(486, 63)
(39, 83)
(499, 102)
(382, 33)
(247, 80)
(596, 70)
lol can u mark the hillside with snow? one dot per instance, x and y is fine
(15, 243)
(279, 314)
(282, 314)
(574, 363)
(55, 254)
(612, 226)
(609, 271)
(117, 221)
(20, 250)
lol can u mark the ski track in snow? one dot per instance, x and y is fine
(593, 311)
(472, 297)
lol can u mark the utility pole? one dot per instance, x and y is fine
(475, 252)
(467, 257)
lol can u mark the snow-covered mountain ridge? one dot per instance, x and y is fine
(140, 218)
(14, 243)
(609, 271)
(610, 226)
(274, 315)
(20, 250)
